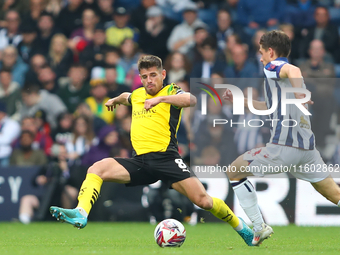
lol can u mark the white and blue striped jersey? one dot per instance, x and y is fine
(299, 136)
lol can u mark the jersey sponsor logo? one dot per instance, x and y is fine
(143, 113)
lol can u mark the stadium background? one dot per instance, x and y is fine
(60, 60)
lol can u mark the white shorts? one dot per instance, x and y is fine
(273, 159)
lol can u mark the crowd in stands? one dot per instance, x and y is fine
(61, 60)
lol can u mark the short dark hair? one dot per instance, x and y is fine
(278, 41)
(149, 61)
(30, 88)
(211, 42)
(5, 70)
(27, 132)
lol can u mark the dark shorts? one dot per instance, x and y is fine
(151, 167)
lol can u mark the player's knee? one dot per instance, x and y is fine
(204, 201)
(98, 168)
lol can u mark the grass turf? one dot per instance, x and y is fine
(137, 238)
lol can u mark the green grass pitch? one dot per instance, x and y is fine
(137, 238)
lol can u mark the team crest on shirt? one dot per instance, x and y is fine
(304, 123)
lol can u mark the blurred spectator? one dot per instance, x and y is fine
(47, 79)
(231, 6)
(254, 53)
(77, 89)
(210, 63)
(256, 14)
(29, 44)
(194, 54)
(130, 55)
(37, 62)
(120, 30)
(83, 139)
(105, 11)
(13, 62)
(319, 77)
(25, 155)
(63, 133)
(112, 58)
(296, 52)
(33, 13)
(242, 67)
(325, 31)
(42, 141)
(138, 15)
(10, 94)
(41, 122)
(9, 131)
(226, 28)
(81, 37)
(54, 7)
(10, 34)
(46, 30)
(52, 176)
(108, 139)
(59, 56)
(157, 29)
(300, 13)
(97, 123)
(34, 99)
(114, 88)
(232, 41)
(99, 96)
(124, 132)
(93, 54)
(177, 67)
(5, 5)
(182, 36)
(69, 17)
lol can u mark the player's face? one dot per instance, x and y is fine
(265, 58)
(152, 79)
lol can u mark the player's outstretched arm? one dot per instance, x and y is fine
(258, 105)
(121, 99)
(180, 100)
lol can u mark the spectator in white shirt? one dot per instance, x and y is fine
(10, 35)
(9, 131)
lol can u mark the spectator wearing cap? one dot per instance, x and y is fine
(10, 94)
(93, 54)
(121, 29)
(46, 30)
(76, 89)
(84, 35)
(9, 131)
(29, 44)
(99, 96)
(157, 30)
(34, 99)
(108, 139)
(10, 34)
(182, 36)
(12, 61)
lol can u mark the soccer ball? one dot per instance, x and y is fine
(170, 233)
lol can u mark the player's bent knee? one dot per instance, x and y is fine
(101, 167)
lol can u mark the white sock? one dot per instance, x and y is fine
(246, 194)
(82, 211)
(25, 218)
(239, 226)
(339, 204)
